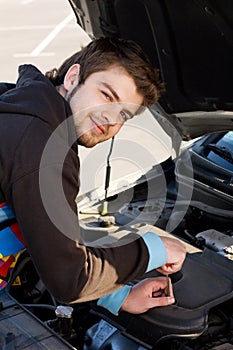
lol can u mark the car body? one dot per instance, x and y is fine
(187, 194)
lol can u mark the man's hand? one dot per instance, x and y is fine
(149, 293)
(176, 253)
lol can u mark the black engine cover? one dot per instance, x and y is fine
(205, 282)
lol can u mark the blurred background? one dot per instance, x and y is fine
(45, 33)
(41, 32)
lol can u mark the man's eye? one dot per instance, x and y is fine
(123, 116)
(107, 96)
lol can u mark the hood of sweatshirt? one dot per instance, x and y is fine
(33, 95)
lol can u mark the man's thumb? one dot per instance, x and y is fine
(162, 301)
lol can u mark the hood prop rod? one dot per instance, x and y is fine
(107, 181)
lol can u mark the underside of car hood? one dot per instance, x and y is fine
(191, 44)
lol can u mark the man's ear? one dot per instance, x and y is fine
(71, 77)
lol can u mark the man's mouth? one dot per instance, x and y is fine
(100, 129)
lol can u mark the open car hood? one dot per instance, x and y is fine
(192, 45)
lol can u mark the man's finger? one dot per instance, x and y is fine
(169, 269)
(161, 285)
(158, 293)
(161, 301)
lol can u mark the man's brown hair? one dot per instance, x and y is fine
(102, 53)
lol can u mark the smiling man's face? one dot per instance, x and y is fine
(102, 104)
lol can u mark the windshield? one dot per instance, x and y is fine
(221, 152)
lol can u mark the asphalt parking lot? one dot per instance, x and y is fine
(41, 32)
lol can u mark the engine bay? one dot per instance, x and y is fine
(201, 318)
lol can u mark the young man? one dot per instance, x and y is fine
(42, 120)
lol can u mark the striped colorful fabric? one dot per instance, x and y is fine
(5, 212)
(7, 264)
(11, 243)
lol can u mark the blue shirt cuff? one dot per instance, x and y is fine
(113, 301)
(157, 250)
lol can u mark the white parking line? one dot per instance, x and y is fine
(26, 27)
(47, 40)
(51, 36)
(43, 54)
(26, 2)
(32, 27)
